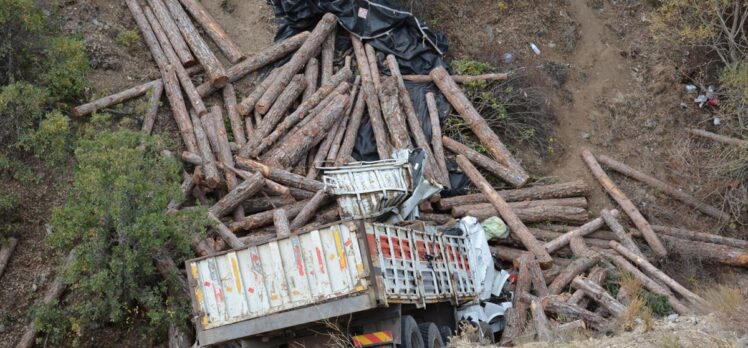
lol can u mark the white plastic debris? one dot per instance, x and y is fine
(691, 88)
(717, 121)
(484, 272)
(701, 100)
(508, 58)
(535, 48)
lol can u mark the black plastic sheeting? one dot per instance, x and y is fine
(390, 30)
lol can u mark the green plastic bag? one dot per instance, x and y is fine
(495, 228)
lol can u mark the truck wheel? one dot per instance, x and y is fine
(410, 336)
(446, 333)
(486, 331)
(431, 335)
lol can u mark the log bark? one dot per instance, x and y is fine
(286, 154)
(235, 197)
(237, 124)
(187, 185)
(578, 266)
(148, 36)
(660, 185)
(516, 323)
(542, 326)
(256, 205)
(393, 115)
(325, 94)
(308, 50)
(346, 148)
(307, 213)
(280, 220)
(626, 204)
(700, 236)
(648, 283)
(327, 57)
(229, 48)
(495, 168)
(210, 169)
(620, 232)
(436, 137)
(440, 219)
(576, 325)
(340, 131)
(580, 231)
(281, 176)
(371, 59)
(557, 306)
(258, 61)
(53, 293)
(372, 99)
(546, 235)
(477, 124)
(323, 150)
(564, 190)
(293, 90)
(538, 280)
(708, 252)
(563, 214)
(172, 31)
(579, 202)
(599, 295)
(717, 137)
(226, 160)
(265, 218)
(154, 101)
(311, 76)
(597, 275)
(458, 78)
(247, 105)
(513, 221)
(178, 108)
(656, 273)
(114, 99)
(213, 68)
(196, 102)
(5, 252)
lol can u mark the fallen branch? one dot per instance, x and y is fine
(617, 228)
(717, 137)
(495, 168)
(580, 231)
(172, 31)
(6, 252)
(578, 266)
(230, 49)
(599, 295)
(458, 78)
(564, 190)
(114, 99)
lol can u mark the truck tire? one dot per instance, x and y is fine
(410, 336)
(486, 332)
(431, 335)
(446, 333)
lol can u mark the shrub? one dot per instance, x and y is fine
(22, 26)
(115, 219)
(51, 142)
(65, 68)
(130, 39)
(8, 214)
(21, 107)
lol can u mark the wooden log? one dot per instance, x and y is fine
(292, 91)
(325, 94)
(440, 219)
(626, 204)
(154, 101)
(172, 31)
(433, 170)
(563, 190)
(230, 49)
(213, 68)
(332, 155)
(178, 108)
(564, 214)
(620, 232)
(307, 213)
(148, 36)
(53, 293)
(187, 185)
(578, 246)
(660, 185)
(579, 202)
(342, 88)
(700, 236)
(308, 50)
(550, 274)
(708, 252)
(599, 295)
(327, 57)
(323, 150)
(458, 78)
(286, 154)
(212, 178)
(477, 124)
(436, 137)
(657, 274)
(259, 60)
(279, 175)
(538, 281)
(717, 137)
(247, 105)
(235, 197)
(265, 218)
(114, 99)
(224, 232)
(597, 275)
(256, 205)
(580, 231)
(599, 235)
(572, 326)
(237, 124)
(495, 168)
(311, 76)
(646, 281)
(515, 224)
(515, 324)
(371, 59)
(542, 326)
(372, 99)
(393, 115)
(546, 235)
(346, 148)
(576, 267)
(226, 160)
(5, 252)
(280, 221)
(557, 306)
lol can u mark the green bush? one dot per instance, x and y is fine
(8, 214)
(21, 107)
(65, 68)
(130, 39)
(51, 142)
(115, 219)
(22, 26)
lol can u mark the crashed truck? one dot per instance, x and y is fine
(379, 277)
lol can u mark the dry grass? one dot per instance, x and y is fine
(730, 306)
